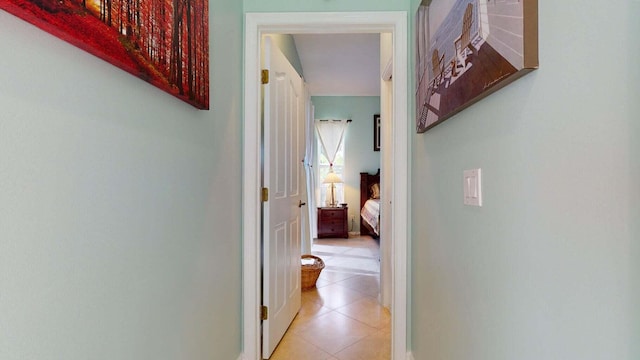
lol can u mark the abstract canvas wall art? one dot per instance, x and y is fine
(164, 42)
(468, 49)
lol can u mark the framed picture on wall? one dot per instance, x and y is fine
(376, 132)
(468, 49)
(165, 43)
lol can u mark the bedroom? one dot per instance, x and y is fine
(357, 149)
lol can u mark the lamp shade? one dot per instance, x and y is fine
(332, 178)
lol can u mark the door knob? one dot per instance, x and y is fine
(301, 204)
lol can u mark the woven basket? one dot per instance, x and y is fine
(311, 272)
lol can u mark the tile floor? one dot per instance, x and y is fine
(341, 318)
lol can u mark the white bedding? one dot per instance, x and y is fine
(371, 214)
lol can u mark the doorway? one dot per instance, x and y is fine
(257, 24)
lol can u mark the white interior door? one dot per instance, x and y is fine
(284, 177)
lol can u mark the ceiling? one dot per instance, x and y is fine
(340, 64)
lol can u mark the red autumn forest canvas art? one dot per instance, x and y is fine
(164, 42)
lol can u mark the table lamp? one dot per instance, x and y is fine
(332, 179)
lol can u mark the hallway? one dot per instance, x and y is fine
(341, 318)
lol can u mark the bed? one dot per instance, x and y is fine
(370, 204)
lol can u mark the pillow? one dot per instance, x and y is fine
(375, 191)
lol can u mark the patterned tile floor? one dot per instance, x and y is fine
(341, 318)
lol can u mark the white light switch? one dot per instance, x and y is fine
(473, 187)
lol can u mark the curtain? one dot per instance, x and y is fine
(331, 133)
(309, 158)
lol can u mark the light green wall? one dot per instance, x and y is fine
(120, 217)
(359, 154)
(548, 267)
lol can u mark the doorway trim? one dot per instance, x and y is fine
(257, 24)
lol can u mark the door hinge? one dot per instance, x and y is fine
(264, 313)
(265, 194)
(265, 76)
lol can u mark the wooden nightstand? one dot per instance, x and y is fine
(332, 222)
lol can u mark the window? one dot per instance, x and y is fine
(323, 170)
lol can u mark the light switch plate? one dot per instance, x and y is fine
(473, 187)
